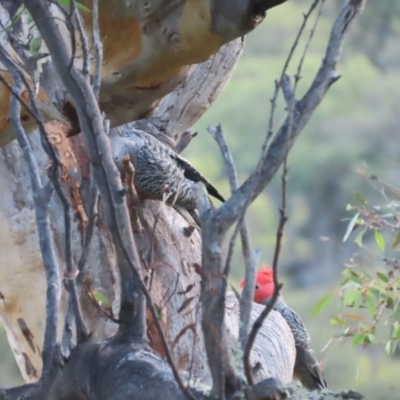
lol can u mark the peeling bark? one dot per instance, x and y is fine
(22, 279)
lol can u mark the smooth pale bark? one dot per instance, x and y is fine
(273, 353)
(149, 49)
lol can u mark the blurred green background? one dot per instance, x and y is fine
(356, 127)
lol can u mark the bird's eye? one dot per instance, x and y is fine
(257, 287)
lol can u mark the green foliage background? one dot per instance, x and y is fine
(357, 126)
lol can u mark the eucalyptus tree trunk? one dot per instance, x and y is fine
(169, 255)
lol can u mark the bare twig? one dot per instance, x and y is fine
(184, 141)
(168, 299)
(81, 330)
(253, 333)
(278, 84)
(250, 266)
(133, 200)
(252, 180)
(92, 215)
(215, 223)
(67, 342)
(277, 286)
(150, 259)
(82, 37)
(70, 26)
(98, 49)
(290, 97)
(250, 257)
(41, 196)
(288, 90)
(218, 135)
(166, 348)
(326, 76)
(235, 212)
(310, 37)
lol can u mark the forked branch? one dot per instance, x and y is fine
(303, 110)
(215, 223)
(41, 197)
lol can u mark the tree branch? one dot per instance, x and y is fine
(228, 213)
(41, 196)
(184, 141)
(215, 223)
(289, 93)
(133, 200)
(92, 215)
(213, 290)
(105, 172)
(182, 108)
(53, 173)
(277, 286)
(98, 49)
(250, 257)
(107, 178)
(82, 36)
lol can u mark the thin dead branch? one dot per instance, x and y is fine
(326, 76)
(215, 223)
(250, 256)
(53, 173)
(133, 199)
(41, 196)
(98, 49)
(82, 36)
(92, 215)
(289, 93)
(104, 170)
(277, 286)
(252, 180)
(184, 141)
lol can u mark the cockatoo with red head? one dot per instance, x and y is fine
(306, 369)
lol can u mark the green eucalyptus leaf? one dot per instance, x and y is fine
(351, 226)
(380, 241)
(321, 304)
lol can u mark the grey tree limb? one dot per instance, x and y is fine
(41, 196)
(215, 223)
(74, 312)
(250, 256)
(326, 76)
(98, 52)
